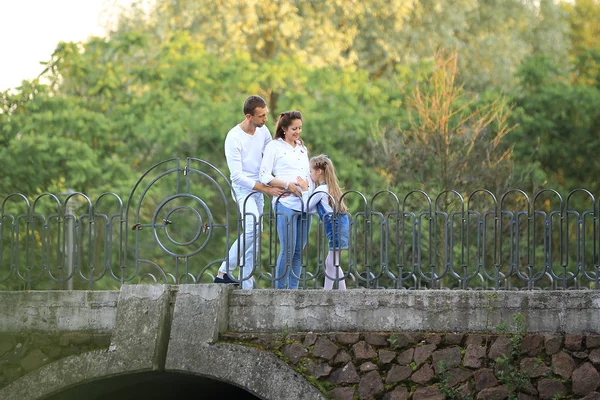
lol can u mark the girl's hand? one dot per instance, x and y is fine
(303, 183)
(294, 188)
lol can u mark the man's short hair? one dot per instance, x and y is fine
(252, 103)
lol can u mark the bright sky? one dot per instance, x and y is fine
(31, 29)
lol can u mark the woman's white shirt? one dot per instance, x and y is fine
(283, 161)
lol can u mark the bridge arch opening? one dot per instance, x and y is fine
(154, 385)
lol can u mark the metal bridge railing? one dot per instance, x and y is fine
(179, 221)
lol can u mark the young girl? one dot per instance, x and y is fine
(325, 200)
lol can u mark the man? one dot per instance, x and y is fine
(244, 146)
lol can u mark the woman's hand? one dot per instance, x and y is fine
(303, 183)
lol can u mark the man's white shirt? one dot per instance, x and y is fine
(244, 155)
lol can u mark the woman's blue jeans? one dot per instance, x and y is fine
(292, 228)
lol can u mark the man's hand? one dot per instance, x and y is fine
(272, 191)
(295, 189)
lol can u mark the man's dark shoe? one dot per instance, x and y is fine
(225, 279)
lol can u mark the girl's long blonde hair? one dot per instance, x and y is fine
(325, 164)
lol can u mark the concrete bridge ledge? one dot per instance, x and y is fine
(175, 329)
(54, 310)
(419, 310)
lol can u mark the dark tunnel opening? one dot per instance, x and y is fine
(154, 385)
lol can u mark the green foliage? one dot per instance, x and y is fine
(284, 332)
(393, 341)
(558, 396)
(169, 81)
(452, 141)
(507, 366)
(513, 378)
(557, 127)
(444, 385)
(170, 78)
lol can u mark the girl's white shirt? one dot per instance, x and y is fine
(319, 195)
(283, 161)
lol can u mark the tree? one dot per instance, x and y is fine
(451, 141)
(49, 143)
(491, 36)
(584, 20)
(558, 126)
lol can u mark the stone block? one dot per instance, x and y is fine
(33, 360)
(533, 367)
(458, 375)
(318, 369)
(453, 338)
(376, 339)
(592, 341)
(370, 385)
(493, 393)
(594, 356)
(342, 393)
(474, 356)
(433, 338)
(532, 345)
(363, 351)
(485, 378)
(294, 352)
(563, 364)
(549, 388)
(310, 339)
(585, 379)
(325, 349)
(476, 340)
(450, 357)
(574, 342)
(398, 373)
(428, 393)
(406, 357)
(367, 367)
(7, 342)
(399, 393)
(342, 358)
(501, 347)
(553, 343)
(386, 356)
(346, 338)
(423, 375)
(422, 353)
(345, 376)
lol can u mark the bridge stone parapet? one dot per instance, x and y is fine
(412, 311)
(187, 329)
(58, 311)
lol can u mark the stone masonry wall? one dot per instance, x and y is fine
(23, 353)
(395, 366)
